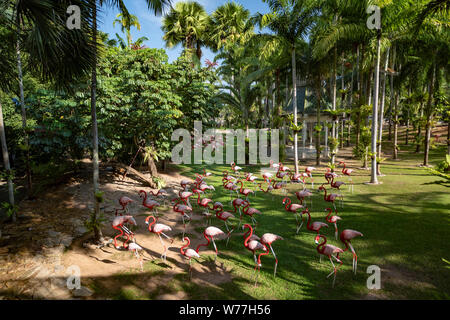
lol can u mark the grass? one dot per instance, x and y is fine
(405, 222)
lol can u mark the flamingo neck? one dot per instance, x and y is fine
(320, 247)
(265, 253)
(309, 220)
(219, 211)
(185, 246)
(288, 204)
(249, 236)
(150, 225)
(198, 198)
(145, 196)
(242, 185)
(328, 215)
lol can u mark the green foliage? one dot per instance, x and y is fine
(95, 222)
(9, 209)
(159, 181)
(442, 169)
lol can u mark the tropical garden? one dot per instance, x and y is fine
(87, 121)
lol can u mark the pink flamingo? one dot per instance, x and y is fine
(253, 246)
(330, 197)
(159, 229)
(267, 239)
(118, 224)
(160, 193)
(235, 168)
(245, 191)
(222, 215)
(347, 172)
(293, 207)
(347, 235)
(333, 220)
(237, 204)
(204, 203)
(136, 248)
(182, 208)
(330, 175)
(250, 212)
(301, 195)
(337, 184)
(267, 176)
(314, 226)
(209, 234)
(148, 203)
(189, 253)
(184, 196)
(309, 171)
(185, 183)
(328, 250)
(124, 201)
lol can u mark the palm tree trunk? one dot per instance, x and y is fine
(373, 173)
(397, 95)
(294, 101)
(429, 113)
(319, 97)
(394, 56)
(383, 96)
(6, 163)
(24, 118)
(333, 128)
(95, 158)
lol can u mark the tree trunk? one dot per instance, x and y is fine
(319, 96)
(448, 137)
(5, 155)
(429, 113)
(396, 125)
(95, 158)
(383, 97)
(373, 173)
(333, 101)
(24, 118)
(391, 102)
(294, 101)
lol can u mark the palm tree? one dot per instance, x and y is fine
(186, 24)
(126, 22)
(290, 20)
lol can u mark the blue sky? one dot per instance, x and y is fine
(151, 24)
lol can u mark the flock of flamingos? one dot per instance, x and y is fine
(253, 243)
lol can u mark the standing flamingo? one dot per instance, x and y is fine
(235, 168)
(184, 196)
(118, 224)
(124, 201)
(314, 226)
(136, 248)
(222, 215)
(267, 239)
(160, 193)
(328, 250)
(267, 176)
(293, 207)
(330, 197)
(237, 204)
(204, 203)
(209, 234)
(333, 220)
(254, 245)
(159, 229)
(347, 235)
(148, 203)
(182, 208)
(189, 254)
(347, 172)
(250, 212)
(309, 171)
(245, 191)
(301, 195)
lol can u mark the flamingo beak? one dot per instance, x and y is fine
(316, 240)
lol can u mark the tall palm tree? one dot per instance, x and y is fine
(186, 24)
(126, 22)
(290, 20)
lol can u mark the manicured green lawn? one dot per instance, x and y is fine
(405, 222)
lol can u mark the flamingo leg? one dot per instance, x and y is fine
(276, 261)
(163, 255)
(335, 230)
(257, 274)
(334, 271)
(215, 247)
